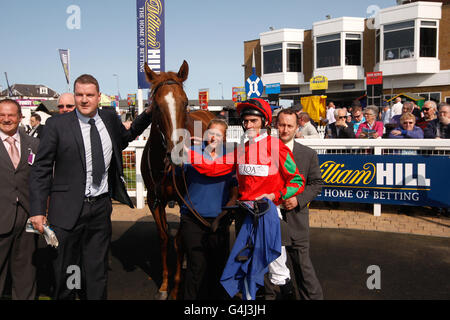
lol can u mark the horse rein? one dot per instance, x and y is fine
(191, 208)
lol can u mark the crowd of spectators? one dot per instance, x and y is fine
(403, 120)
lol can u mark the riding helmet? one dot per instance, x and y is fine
(255, 107)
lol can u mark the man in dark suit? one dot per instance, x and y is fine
(295, 224)
(79, 165)
(341, 129)
(16, 245)
(36, 126)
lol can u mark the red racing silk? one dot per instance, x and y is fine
(263, 165)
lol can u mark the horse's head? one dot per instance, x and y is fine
(169, 101)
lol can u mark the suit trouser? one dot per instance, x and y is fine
(207, 254)
(305, 276)
(86, 246)
(16, 254)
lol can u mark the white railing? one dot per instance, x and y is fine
(431, 147)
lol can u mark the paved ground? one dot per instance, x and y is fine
(344, 243)
(412, 265)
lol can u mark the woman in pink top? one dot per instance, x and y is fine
(372, 128)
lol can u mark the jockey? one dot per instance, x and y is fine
(264, 165)
(265, 169)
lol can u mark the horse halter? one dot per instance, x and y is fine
(161, 84)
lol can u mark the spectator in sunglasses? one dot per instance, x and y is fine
(358, 118)
(66, 103)
(341, 129)
(430, 117)
(407, 128)
(439, 128)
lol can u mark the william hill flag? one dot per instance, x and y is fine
(64, 55)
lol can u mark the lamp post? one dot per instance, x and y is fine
(222, 88)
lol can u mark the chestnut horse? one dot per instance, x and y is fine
(169, 113)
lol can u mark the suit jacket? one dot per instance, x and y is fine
(60, 167)
(344, 133)
(14, 183)
(295, 228)
(36, 133)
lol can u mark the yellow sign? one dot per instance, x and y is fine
(318, 83)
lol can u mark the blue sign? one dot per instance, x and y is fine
(254, 86)
(150, 38)
(399, 180)
(273, 88)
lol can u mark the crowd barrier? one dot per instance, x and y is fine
(350, 148)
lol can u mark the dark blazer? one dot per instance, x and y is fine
(38, 132)
(296, 228)
(344, 133)
(60, 167)
(14, 183)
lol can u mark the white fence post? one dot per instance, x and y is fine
(376, 206)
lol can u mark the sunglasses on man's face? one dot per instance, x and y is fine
(408, 122)
(425, 109)
(342, 117)
(67, 106)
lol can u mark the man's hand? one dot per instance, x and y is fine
(148, 110)
(341, 123)
(396, 132)
(39, 222)
(270, 196)
(291, 203)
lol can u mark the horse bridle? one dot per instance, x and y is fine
(164, 141)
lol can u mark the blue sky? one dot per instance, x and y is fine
(208, 34)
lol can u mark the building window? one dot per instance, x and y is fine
(43, 90)
(273, 58)
(352, 49)
(428, 39)
(328, 50)
(399, 40)
(294, 57)
(435, 96)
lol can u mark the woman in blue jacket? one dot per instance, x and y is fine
(407, 128)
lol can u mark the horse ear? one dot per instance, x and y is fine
(149, 73)
(184, 71)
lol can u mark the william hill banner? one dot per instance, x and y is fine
(398, 180)
(150, 38)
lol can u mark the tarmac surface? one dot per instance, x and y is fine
(411, 266)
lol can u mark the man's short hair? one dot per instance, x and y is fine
(304, 116)
(36, 116)
(336, 111)
(357, 108)
(14, 102)
(86, 79)
(432, 103)
(290, 111)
